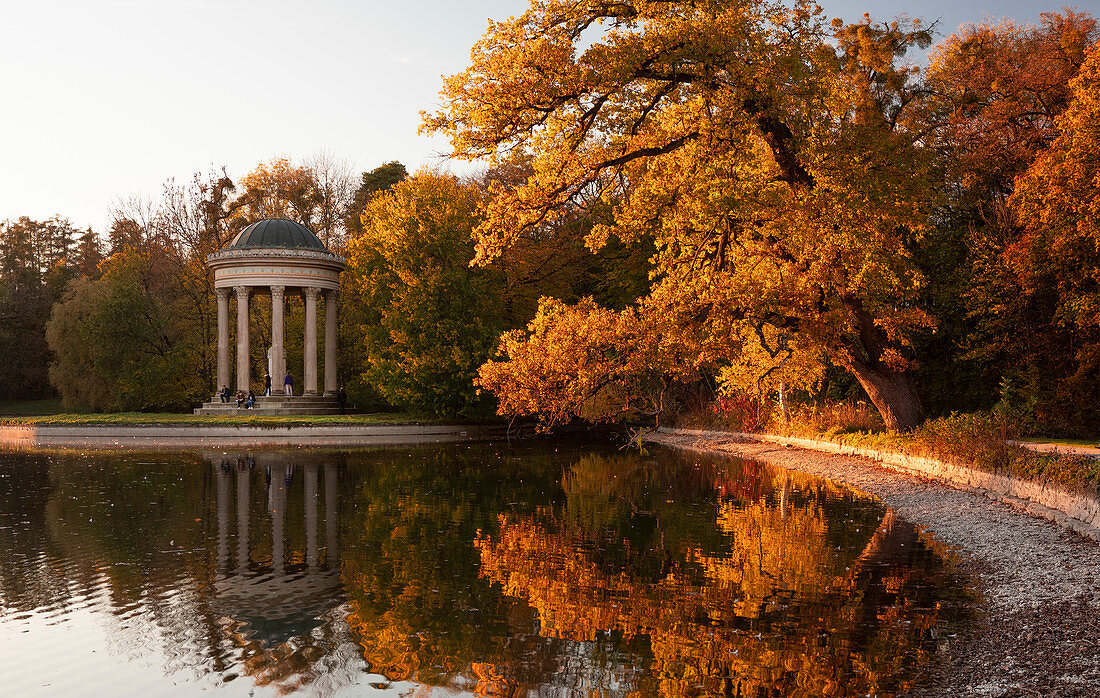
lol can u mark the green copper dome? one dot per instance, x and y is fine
(277, 233)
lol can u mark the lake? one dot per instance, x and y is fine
(549, 568)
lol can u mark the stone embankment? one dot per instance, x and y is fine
(1038, 633)
(189, 436)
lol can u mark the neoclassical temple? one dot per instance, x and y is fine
(276, 258)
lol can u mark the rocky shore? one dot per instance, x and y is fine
(1039, 630)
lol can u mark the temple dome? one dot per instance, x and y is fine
(276, 233)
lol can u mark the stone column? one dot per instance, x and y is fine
(311, 342)
(243, 481)
(278, 518)
(331, 556)
(311, 516)
(242, 337)
(223, 519)
(223, 337)
(330, 342)
(278, 353)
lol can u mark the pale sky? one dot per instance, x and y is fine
(102, 99)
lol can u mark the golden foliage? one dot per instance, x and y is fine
(771, 161)
(723, 623)
(277, 189)
(586, 361)
(1057, 202)
(426, 318)
(768, 359)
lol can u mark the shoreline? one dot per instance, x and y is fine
(1076, 511)
(1039, 631)
(169, 436)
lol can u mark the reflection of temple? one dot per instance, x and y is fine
(289, 594)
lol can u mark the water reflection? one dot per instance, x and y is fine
(279, 613)
(802, 587)
(491, 569)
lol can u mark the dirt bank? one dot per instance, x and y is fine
(1040, 631)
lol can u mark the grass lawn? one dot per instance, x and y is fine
(142, 418)
(50, 411)
(27, 407)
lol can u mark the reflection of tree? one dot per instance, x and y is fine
(685, 561)
(780, 608)
(24, 491)
(149, 530)
(419, 609)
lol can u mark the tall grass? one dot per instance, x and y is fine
(831, 418)
(733, 413)
(984, 440)
(744, 414)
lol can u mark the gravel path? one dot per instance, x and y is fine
(1040, 635)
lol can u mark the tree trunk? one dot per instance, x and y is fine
(893, 393)
(893, 541)
(784, 408)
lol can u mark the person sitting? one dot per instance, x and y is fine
(251, 402)
(224, 393)
(240, 398)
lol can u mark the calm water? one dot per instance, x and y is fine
(542, 569)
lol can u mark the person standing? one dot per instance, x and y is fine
(288, 384)
(267, 385)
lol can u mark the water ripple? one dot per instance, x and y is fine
(518, 569)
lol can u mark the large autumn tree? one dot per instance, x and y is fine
(317, 193)
(137, 331)
(766, 152)
(124, 342)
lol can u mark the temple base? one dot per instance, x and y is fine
(276, 405)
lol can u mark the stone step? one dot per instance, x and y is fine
(277, 405)
(295, 398)
(243, 412)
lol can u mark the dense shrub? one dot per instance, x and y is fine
(835, 418)
(741, 412)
